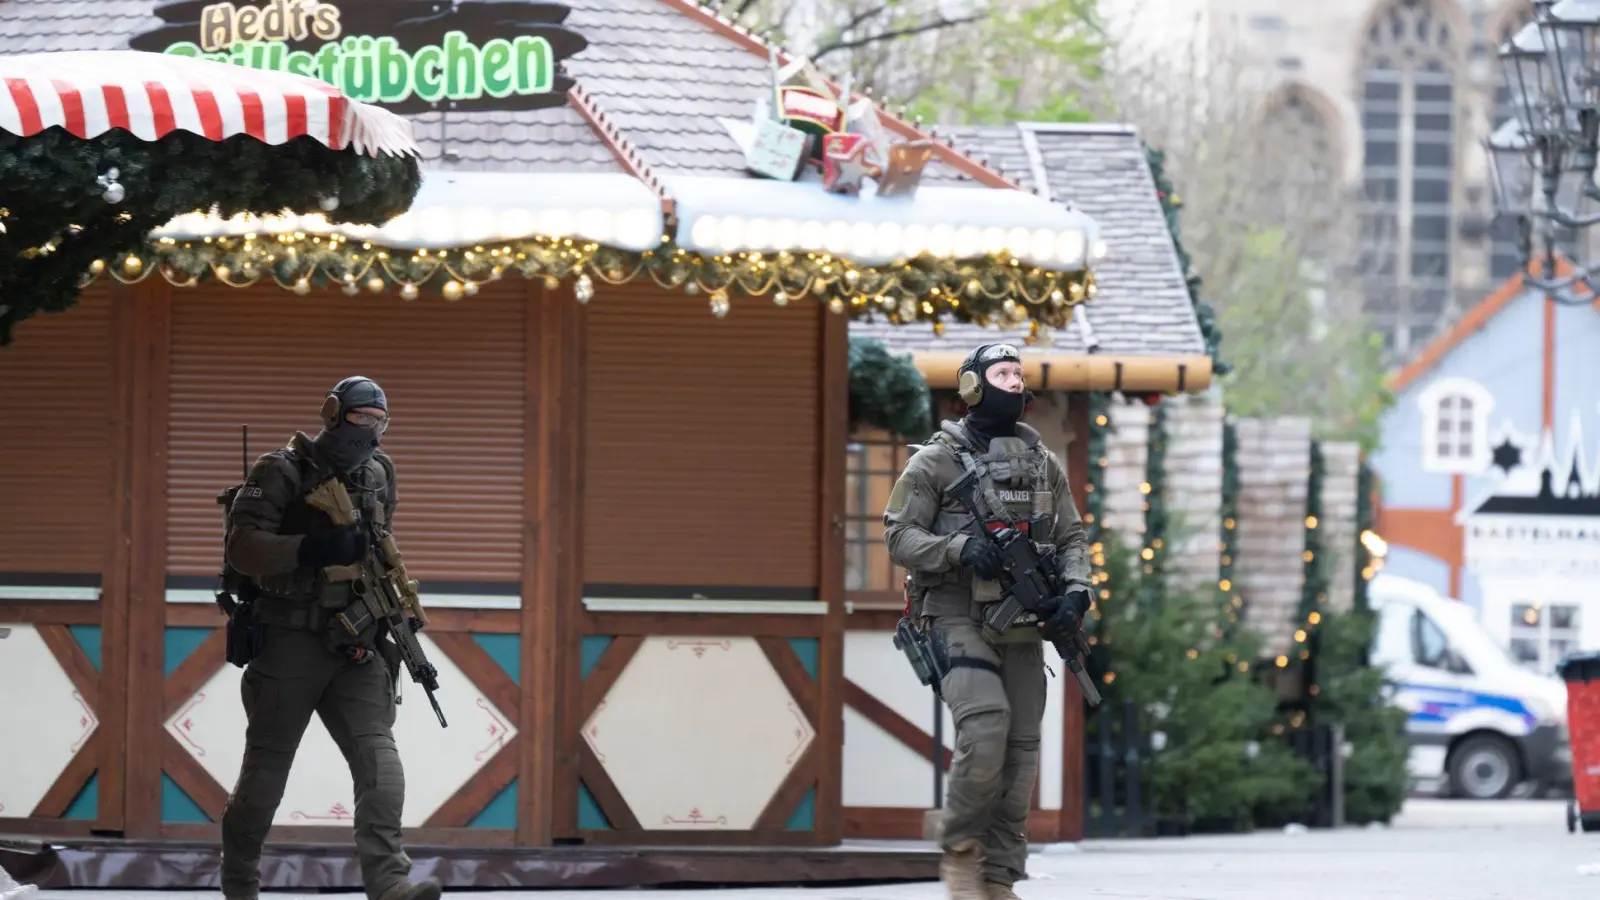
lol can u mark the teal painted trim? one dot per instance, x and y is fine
(505, 649)
(805, 814)
(590, 818)
(809, 650)
(86, 806)
(501, 811)
(88, 637)
(177, 807)
(594, 646)
(180, 642)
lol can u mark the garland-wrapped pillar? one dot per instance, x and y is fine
(1154, 551)
(1228, 543)
(1314, 587)
(1094, 519)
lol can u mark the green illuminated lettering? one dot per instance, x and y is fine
(185, 48)
(394, 70)
(425, 73)
(461, 66)
(299, 62)
(328, 63)
(498, 78)
(534, 71)
(361, 76)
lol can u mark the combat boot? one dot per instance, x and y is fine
(427, 889)
(1000, 891)
(961, 871)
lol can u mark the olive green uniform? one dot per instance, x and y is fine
(998, 704)
(299, 672)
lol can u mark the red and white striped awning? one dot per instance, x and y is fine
(152, 94)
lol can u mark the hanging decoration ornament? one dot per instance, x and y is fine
(110, 189)
(993, 290)
(719, 303)
(328, 202)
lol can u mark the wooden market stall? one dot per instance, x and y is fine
(622, 491)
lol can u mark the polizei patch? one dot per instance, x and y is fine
(1015, 496)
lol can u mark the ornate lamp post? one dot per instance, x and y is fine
(1544, 158)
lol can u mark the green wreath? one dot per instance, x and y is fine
(887, 391)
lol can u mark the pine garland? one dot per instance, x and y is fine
(887, 390)
(1366, 521)
(1094, 515)
(1228, 545)
(1154, 551)
(1171, 205)
(1314, 585)
(58, 222)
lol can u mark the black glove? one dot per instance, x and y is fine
(1067, 619)
(342, 546)
(984, 559)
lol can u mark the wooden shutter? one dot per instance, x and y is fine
(57, 420)
(454, 375)
(700, 442)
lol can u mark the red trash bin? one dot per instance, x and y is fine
(1581, 672)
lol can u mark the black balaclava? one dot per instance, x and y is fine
(997, 411)
(343, 443)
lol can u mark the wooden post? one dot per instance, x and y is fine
(834, 433)
(149, 348)
(552, 441)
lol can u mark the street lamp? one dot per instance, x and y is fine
(1544, 158)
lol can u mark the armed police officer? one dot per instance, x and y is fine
(291, 554)
(993, 681)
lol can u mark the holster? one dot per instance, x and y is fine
(245, 633)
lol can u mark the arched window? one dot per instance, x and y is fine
(1455, 425)
(1409, 125)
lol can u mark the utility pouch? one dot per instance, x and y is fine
(1000, 618)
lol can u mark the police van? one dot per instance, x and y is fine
(1480, 724)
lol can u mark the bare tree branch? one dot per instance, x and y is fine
(894, 34)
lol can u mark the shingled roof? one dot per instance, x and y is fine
(652, 83)
(1143, 306)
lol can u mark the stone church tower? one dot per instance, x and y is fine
(1405, 91)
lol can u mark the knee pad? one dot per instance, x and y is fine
(982, 736)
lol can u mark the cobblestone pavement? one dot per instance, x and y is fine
(1436, 850)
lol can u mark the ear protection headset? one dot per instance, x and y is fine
(970, 379)
(333, 406)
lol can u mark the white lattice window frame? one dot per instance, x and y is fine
(1441, 403)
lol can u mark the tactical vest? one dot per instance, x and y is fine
(306, 598)
(1015, 493)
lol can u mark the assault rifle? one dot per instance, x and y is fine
(385, 594)
(1031, 581)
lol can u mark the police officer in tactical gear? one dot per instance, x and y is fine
(993, 682)
(305, 663)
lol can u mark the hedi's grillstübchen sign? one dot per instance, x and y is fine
(409, 56)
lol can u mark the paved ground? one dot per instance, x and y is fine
(1437, 850)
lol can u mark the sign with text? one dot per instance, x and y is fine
(408, 56)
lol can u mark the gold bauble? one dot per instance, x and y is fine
(551, 283)
(97, 267)
(133, 265)
(223, 273)
(452, 290)
(781, 298)
(471, 288)
(302, 287)
(409, 292)
(375, 284)
(836, 305)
